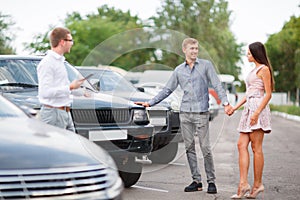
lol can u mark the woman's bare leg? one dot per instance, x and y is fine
(256, 139)
(244, 158)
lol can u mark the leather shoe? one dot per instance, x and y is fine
(194, 186)
(212, 189)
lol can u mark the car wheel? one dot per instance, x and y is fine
(129, 179)
(130, 172)
(165, 154)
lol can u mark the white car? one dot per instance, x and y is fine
(40, 161)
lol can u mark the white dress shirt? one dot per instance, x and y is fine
(54, 85)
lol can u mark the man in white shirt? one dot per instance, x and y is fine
(54, 85)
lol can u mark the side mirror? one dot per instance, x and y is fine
(237, 83)
(29, 111)
(95, 83)
(141, 89)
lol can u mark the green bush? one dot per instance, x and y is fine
(292, 110)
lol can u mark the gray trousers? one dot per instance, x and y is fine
(57, 117)
(197, 123)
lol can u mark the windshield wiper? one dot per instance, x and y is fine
(29, 85)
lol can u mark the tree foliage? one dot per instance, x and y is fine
(205, 20)
(5, 38)
(284, 52)
(91, 30)
(208, 22)
(40, 43)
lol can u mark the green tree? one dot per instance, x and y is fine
(116, 38)
(5, 37)
(96, 28)
(90, 31)
(40, 43)
(208, 22)
(283, 49)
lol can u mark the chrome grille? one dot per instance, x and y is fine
(102, 117)
(57, 183)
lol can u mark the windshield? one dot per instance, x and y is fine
(73, 74)
(18, 71)
(23, 73)
(109, 80)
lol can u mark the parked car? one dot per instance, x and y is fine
(40, 161)
(164, 119)
(153, 82)
(229, 85)
(120, 127)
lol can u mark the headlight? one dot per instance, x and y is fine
(175, 105)
(140, 117)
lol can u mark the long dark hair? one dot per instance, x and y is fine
(259, 53)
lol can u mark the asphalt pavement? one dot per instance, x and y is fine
(281, 176)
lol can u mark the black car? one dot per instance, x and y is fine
(39, 161)
(120, 127)
(162, 116)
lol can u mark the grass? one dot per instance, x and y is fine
(292, 110)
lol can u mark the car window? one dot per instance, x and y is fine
(109, 80)
(155, 76)
(73, 74)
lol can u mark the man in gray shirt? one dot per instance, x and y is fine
(194, 76)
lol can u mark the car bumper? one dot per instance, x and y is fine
(170, 133)
(121, 140)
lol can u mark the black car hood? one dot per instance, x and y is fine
(95, 101)
(101, 101)
(137, 96)
(24, 97)
(28, 143)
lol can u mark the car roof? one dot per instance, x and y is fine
(227, 78)
(161, 76)
(105, 68)
(16, 57)
(92, 68)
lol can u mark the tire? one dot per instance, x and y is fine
(165, 154)
(129, 179)
(130, 172)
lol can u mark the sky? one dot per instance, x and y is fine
(251, 20)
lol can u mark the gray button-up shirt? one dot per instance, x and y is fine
(194, 83)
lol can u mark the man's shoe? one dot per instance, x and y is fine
(194, 186)
(212, 189)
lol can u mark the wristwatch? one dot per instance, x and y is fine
(226, 103)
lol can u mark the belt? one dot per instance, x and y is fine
(201, 113)
(66, 108)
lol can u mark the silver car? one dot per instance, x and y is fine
(39, 161)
